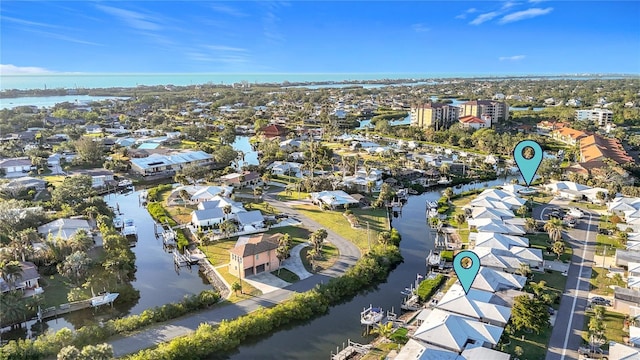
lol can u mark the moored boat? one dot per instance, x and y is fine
(371, 315)
(103, 299)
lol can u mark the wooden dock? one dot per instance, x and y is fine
(62, 309)
(351, 349)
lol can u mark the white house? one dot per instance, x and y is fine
(15, 167)
(499, 241)
(454, 332)
(208, 217)
(494, 281)
(415, 350)
(286, 168)
(633, 277)
(496, 226)
(477, 304)
(333, 199)
(489, 213)
(64, 228)
(250, 220)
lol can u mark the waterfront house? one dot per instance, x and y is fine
(64, 228)
(481, 305)
(15, 167)
(100, 178)
(497, 241)
(495, 226)
(454, 332)
(489, 213)
(207, 217)
(236, 180)
(286, 168)
(497, 281)
(415, 350)
(253, 255)
(26, 281)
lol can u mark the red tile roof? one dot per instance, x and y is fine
(596, 147)
(470, 119)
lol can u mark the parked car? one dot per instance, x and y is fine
(587, 353)
(600, 301)
(576, 213)
(551, 310)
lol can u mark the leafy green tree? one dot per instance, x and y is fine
(75, 267)
(283, 250)
(10, 272)
(69, 352)
(72, 191)
(383, 330)
(228, 227)
(97, 352)
(224, 155)
(459, 218)
(236, 286)
(228, 134)
(529, 314)
(89, 150)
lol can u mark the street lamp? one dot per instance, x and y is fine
(239, 273)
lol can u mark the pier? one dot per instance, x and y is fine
(348, 351)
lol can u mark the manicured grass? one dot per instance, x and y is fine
(608, 242)
(286, 275)
(54, 180)
(329, 256)
(613, 323)
(248, 290)
(380, 351)
(335, 221)
(589, 206)
(55, 290)
(294, 195)
(264, 207)
(298, 234)
(218, 251)
(600, 282)
(181, 214)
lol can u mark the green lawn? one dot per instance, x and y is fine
(248, 290)
(329, 256)
(613, 322)
(286, 275)
(600, 282)
(55, 290)
(539, 241)
(608, 242)
(218, 251)
(294, 195)
(535, 345)
(264, 207)
(335, 221)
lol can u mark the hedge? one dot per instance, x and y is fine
(428, 287)
(372, 268)
(50, 343)
(160, 214)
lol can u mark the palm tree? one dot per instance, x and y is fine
(226, 210)
(522, 210)
(554, 228)
(448, 193)
(311, 256)
(459, 219)
(81, 241)
(228, 227)
(524, 269)
(384, 237)
(284, 247)
(257, 192)
(75, 267)
(317, 238)
(235, 287)
(530, 224)
(10, 272)
(22, 243)
(558, 248)
(383, 330)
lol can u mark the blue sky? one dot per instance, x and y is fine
(438, 37)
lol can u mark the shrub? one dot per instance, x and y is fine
(428, 287)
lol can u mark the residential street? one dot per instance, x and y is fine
(566, 334)
(155, 335)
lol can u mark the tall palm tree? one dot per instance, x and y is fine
(81, 241)
(530, 224)
(554, 228)
(226, 210)
(284, 247)
(10, 272)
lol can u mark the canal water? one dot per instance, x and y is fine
(156, 278)
(317, 338)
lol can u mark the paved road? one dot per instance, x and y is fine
(566, 336)
(349, 254)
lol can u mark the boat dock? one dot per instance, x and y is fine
(187, 258)
(62, 309)
(351, 349)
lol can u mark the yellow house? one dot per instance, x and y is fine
(254, 255)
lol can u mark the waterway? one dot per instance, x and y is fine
(317, 338)
(156, 278)
(50, 101)
(250, 155)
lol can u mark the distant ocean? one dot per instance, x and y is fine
(72, 81)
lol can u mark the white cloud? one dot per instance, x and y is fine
(227, 10)
(524, 14)
(464, 14)
(9, 69)
(133, 19)
(225, 48)
(511, 58)
(484, 18)
(509, 4)
(27, 22)
(419, 28)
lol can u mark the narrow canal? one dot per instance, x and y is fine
(316, 339)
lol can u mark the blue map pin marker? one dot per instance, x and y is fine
(468, 274)
(528, 167)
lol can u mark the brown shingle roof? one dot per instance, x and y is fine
(257, 245)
